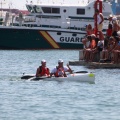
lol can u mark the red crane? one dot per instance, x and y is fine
(97, 5)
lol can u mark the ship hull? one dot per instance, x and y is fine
(24, 38)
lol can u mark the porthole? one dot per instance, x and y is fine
(74, 34)
(64, 10)
(58, 33)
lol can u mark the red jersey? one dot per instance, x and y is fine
(109, 32)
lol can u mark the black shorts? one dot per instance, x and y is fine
(114, 33)
(100, 49)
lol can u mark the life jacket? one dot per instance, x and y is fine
(88, 33)
(59, 72)
(43, 71)
(93, 44)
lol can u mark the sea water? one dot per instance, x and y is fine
(53, 100)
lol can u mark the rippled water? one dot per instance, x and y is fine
(52, 100)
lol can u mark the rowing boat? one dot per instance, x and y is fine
(81, 76)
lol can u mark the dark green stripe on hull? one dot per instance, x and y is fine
(28, 39)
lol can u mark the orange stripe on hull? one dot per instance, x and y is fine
(49, 39)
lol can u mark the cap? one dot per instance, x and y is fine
(118, 33)
(85, 25)
(114, 18)
(111, 38)
(93, 35)
(60, 61)
(110, 16)
(43, 60)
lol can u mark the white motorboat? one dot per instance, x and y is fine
(51, 26)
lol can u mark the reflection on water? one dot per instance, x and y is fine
(45, 100)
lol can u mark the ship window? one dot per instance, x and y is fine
(81, 11)
(1, 19)
(46, 9)
(50, 10)
(29, 8)
(55, 10)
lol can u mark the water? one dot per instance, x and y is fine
(52, 100)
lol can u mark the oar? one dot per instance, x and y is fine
(81, 72)
(27, 76)
(38, 78)
(77, 71)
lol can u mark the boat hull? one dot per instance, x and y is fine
(78, 77)
(26, 38)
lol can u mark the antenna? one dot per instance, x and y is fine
(10, 4)
(26, 1)
(38, 1)
(2, 2)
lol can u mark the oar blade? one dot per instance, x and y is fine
(81, 72)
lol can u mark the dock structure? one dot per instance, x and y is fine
(97, 64)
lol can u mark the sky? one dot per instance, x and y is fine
(20, 4)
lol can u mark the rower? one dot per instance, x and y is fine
(42, 70)
(59, 71)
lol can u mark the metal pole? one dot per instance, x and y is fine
(1, 8)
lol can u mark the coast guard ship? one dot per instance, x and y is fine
(50, 26)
